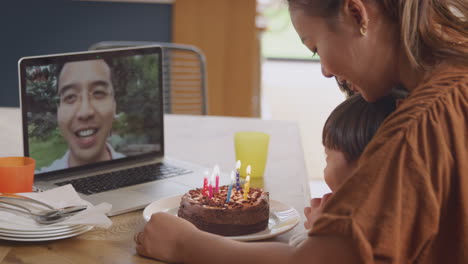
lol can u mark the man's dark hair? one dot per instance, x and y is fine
(60, 66)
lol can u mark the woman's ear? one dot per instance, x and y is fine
(357, 10)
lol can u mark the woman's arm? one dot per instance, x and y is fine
(172, 239)
(207, 248)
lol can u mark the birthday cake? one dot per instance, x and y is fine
(234, 217)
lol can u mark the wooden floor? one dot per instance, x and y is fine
(298, 91)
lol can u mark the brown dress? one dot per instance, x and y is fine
(408, 200)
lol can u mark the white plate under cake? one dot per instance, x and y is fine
(283, 218)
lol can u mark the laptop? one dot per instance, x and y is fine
(95, 120)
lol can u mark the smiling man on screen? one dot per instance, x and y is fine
(85, 113)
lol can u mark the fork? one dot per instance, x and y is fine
(14, 196)
(46, 216)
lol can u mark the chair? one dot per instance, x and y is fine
(184, 75)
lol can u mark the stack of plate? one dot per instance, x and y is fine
(40, 233)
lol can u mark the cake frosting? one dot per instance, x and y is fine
(228, 218)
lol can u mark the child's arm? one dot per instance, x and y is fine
(172, 239)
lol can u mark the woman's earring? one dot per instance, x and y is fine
(363, 30)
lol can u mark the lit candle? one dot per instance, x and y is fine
(210, 186)
(248, 170)
(238, 165)
(216, 169)
(246, 187)
(228, 197)
(210, 190)
(205, 186)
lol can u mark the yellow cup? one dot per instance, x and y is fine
(16, 174)
(252, 149)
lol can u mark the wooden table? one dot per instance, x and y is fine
(206, 140)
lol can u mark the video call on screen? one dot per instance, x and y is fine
(88, 111)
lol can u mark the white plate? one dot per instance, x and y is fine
(282, 217)
(12, 222)
(47, 238)
(38, 229)
(11, 226)
(17, 233)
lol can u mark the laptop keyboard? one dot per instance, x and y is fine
(123, 178)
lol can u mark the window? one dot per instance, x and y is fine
(280, 40)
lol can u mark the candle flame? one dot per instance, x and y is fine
(238, 164)
(248, 170)
(216, 170)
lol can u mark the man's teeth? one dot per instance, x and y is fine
(86, 133)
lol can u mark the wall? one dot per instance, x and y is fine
(297, 91)
(226, 32)
(38, 27)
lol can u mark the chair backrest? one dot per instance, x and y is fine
(184, 75)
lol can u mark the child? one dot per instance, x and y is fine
(346, 133)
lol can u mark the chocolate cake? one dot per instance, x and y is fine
(233, 218)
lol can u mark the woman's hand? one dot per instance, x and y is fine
(162, 237)
(313, 212)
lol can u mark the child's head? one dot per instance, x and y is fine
(347, 131)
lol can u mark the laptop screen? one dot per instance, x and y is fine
(88, 109)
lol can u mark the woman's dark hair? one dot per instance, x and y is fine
(353, 123)
(431, 31)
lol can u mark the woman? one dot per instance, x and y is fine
(405, 203)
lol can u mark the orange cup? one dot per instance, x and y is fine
(16, 174)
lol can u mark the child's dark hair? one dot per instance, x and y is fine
(353, 123)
